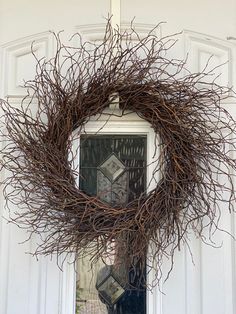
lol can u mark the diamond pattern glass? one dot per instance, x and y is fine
(112, 168)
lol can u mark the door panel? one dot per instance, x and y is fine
(29, 286)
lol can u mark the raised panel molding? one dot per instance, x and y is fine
(204, 281)
(18, 63)
(95, 32)
(201, 48)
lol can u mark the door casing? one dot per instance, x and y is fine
(113, 122)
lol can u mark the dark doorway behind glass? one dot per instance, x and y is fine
(113, 167)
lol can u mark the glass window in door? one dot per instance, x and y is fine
(112, 167)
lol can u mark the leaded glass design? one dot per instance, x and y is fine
(112, 192)
(112, 167)
(112, 181)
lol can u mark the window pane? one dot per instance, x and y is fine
(129, 150)
(112, 167)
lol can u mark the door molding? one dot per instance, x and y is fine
(113, 122)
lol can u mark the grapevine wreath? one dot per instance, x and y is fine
(196, 138)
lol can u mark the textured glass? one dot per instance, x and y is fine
(112, 167)
(112, 181)
(113, 193)
(127, 154)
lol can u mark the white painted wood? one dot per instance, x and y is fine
(16, 55)
(203, 49)
(115, 13)
(28, 286)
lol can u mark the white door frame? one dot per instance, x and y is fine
(112, 121)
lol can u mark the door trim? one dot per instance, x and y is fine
(114, 122)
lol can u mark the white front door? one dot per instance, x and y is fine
(209, 28)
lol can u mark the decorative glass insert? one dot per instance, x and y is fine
(112, 167)
(112, 181)
(113, 193)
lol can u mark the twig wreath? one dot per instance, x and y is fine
(196, 136)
